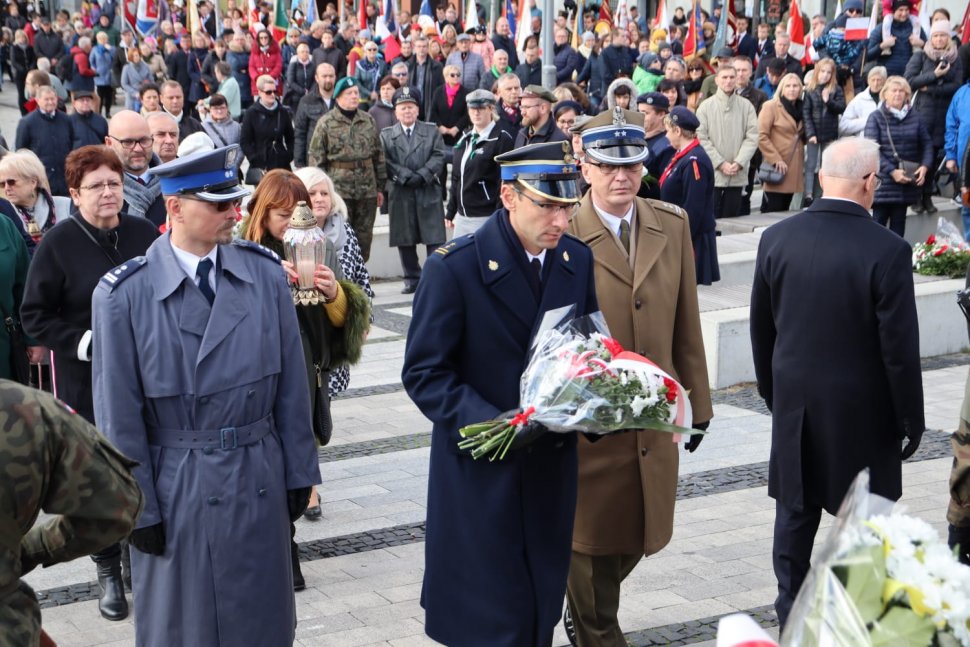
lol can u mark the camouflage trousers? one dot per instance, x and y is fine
(361, 214)
(958, 512)
(20, 618)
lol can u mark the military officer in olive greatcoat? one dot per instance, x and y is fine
(497, 549)
(199, 375)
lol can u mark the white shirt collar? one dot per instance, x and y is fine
(541, 256)
(486, 131)
(189, 263)
(613, 222)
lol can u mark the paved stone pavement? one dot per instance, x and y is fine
(363, 562)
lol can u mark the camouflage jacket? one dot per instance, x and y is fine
(51, 459)
(958, 512)
(350, 151)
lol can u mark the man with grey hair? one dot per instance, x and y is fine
(853, 120)
(470, 64)
(84, 74)
(165, 135)
(836, 356)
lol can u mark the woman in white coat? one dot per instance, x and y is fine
(853, 120)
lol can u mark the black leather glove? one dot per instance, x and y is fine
(415, 181)
(149, 540)
(912, 440)
(527, 434)
(960, 536)
(695, 439)
(297, 501)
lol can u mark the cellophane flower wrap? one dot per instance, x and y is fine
(881, 578)
(944, 253)
(580, 379)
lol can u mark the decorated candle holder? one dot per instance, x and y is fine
(304, 245)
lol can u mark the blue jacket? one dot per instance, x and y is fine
(101, 60)
(958, 124)
(897, 58)
(490, 524)
(594, 73)
(567, 60)
(912, 142)
(51, 139)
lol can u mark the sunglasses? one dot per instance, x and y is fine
(453, 76)
(268, 93)
(220, 207)
(9, 182)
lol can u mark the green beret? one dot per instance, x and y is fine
(343, 84)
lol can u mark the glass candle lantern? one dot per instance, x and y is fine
(304, 245)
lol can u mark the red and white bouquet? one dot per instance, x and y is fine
(581, 379)
(943, 254)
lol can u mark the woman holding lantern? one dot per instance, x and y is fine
(333, 313)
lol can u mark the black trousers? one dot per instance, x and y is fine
(727, 202)
(410, 264)
(771, 201)
(894, 214)
(791, 553)
(749, 187)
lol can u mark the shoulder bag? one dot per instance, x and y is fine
(19, 364)
(768, 174)
(906, 166)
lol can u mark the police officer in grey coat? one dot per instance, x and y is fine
(199, 376)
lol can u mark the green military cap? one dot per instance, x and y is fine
(538, 92)
(343, 84)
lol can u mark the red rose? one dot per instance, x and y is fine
(613, 346)
(940, 251)
(931, 240)
(671, 395)
(669, 383)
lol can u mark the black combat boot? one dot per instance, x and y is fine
(298, 582)
(112, 602)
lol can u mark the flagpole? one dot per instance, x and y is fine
(548, 23)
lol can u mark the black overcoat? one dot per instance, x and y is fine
(836, 353)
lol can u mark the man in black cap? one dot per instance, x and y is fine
(90, 128)
(199, 376)
(538, 126)
(645, 285)
(893, 50)
(415, 155)
(654, 107)
(47, 43)
(479, 303)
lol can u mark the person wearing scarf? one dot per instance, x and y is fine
(934, 75)
(24, 184)
(780, 138)
(688, 182)
(370, 69)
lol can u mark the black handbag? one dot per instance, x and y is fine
(768, 174)
(19, 364)
(254, 175)
(322, 420)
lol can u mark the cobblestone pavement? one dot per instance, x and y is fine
(364, 560)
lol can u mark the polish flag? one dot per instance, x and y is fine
(796, 29)
(523, 25)
(857, 28)
(663, 17)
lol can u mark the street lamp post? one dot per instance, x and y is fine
(548, 25)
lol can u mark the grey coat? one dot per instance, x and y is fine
(166, 364)
(416, 211)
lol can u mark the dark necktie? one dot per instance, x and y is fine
(141, 181)
(407, 132)
(625, 235)
(202, 273)
(537, 268)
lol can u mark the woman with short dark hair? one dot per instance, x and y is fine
(69, 262)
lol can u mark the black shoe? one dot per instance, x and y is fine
(807, 202)
(567, 624)
(313, 513)
(408, 289)
(918, 208)
(111, 603)
(928, 205)
(298, 582)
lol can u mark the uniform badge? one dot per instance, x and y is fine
(406, 91)
(492, 265)
(565, 256)
(232, 156)
(618, 118)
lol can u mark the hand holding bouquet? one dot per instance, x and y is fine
(580, 379)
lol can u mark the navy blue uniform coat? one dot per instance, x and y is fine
(498, 534)
(836, 353)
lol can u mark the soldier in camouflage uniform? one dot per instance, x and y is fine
(349, 149)
(958, 512)
(51, 459)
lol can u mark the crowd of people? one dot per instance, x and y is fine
(128, 151)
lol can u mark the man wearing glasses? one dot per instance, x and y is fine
(537, 126)
(130, 138)
(815, 320)
(199, 376)
(645, 284)
(497, 285)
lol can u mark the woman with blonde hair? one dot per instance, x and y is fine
(780, 139)
(332, 331)
(822, 107)
(330, 211)
(25, 185)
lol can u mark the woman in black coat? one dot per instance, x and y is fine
(824, 103)
(450, 112)
(688, 182)
(935, 74)
(267, 132)
(902, 137)
(22, 60)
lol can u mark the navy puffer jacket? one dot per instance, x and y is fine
(933, 95)
(913, 144)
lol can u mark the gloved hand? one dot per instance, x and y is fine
(527, 434)
(149, 540)
(415, 181)
(912, 441)
(695, 439)
(29, 563)
(960, 536)
(297, 501)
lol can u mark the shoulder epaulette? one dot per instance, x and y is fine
(455, 244)
(256, 247)
(114, 277)
(668, 207)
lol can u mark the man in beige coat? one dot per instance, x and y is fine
(729, 135)
(644, 273)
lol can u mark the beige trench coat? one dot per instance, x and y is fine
(628, 482)
(780, 140)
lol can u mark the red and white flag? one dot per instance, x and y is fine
(662, 19)
(796, 29)
(857, 28)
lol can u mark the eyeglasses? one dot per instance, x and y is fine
(695, 69)
(9, 182)
(612, 169)
(371, 50)
(853, 11)
(400, 74)
(129, 144)
(110, 185)
(566, 123)
(453, 75)
(270, 92)
(220, 207)
(522, 106)
(569, 209)
(876, 182)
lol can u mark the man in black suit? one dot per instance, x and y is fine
(782, 45)
(747, 46)
(764, 46)
(836, 354)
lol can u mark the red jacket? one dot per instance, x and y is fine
(269, 62)
(83, 63)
